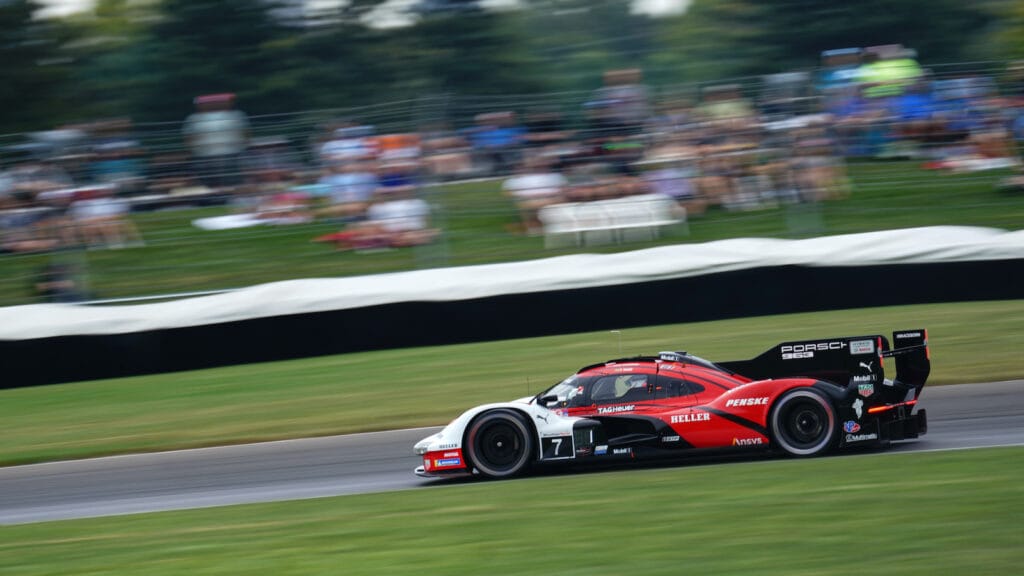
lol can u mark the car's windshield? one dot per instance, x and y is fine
(564, 390)
(618, 388)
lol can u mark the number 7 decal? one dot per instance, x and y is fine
(557, 448)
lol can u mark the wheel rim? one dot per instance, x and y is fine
(500, 446)
(804, 424)
(807, 424)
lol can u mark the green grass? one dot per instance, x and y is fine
(929, 513)
(971, 342)
(475, 216)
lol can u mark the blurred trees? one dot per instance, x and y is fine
(148, 58)
(106, 75)
(937, 29)
(469, 52)
(32, 74)
(742, 37)
(204, 47)
(1009, 35)
(575, 41)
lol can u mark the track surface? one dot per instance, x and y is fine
(964, 416)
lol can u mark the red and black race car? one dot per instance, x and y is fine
(801, 398)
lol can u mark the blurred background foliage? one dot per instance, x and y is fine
(146, 59)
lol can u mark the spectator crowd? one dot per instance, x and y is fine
(732, 146)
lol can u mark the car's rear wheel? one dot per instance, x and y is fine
(803, 423)
(499, 444)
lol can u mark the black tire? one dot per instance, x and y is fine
(499, 444)
(803, 423)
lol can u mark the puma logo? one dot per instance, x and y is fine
(866, 365)
(544, 418)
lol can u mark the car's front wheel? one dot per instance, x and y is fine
(499, 444)
(803, 423)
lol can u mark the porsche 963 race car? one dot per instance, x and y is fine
(802, 398)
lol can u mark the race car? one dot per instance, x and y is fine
(803, 398)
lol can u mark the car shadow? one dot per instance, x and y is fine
(708, 458)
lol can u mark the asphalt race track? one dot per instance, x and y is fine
(963, 416)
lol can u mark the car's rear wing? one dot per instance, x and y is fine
(847, 361)
(913, 359)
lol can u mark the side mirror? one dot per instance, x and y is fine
(546, 401)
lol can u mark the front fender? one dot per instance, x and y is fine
(443, 452)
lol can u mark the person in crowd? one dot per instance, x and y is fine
(101, 218)
(913, 113)
(399, 163)
(497, 140)
(398, 219)
(548, 135)
(348, 188)
(447, 155)
(724, 109)
(715, 173)
(669, 169)
(117, 157)
(170, 175)
(1017, 125)
(285, 206)
(402, 219)
(36, 200)
(270, 161)
(348, 141)
(621, 106)
(818, 174)
(534, 185)
(888, 70)
(838, 72)
(854, 118)
(216, 135)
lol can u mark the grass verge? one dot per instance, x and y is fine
(971, 342)
(928, 513)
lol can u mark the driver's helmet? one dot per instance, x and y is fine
(637, 381)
